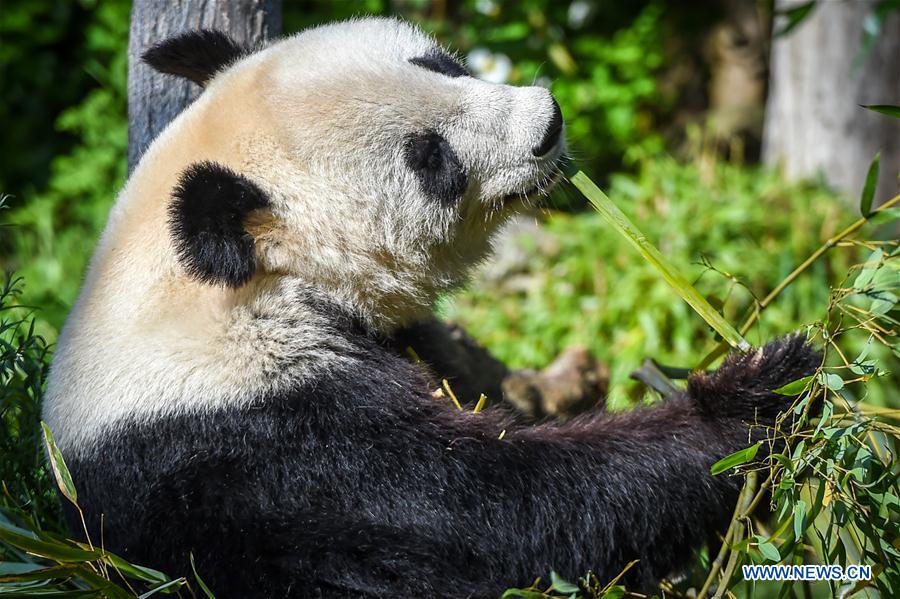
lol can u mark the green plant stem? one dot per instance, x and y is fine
(747, 491)
(754, 315)
(745, 504)
(615, 217)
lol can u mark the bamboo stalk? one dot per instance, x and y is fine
(747, 492)
(615, 217)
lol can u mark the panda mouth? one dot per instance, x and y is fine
(541, 189)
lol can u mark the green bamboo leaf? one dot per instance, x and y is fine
(767, 548)
(209, 594)
(106, 588)
(884, 215)
(562, 585)
(735, 459)
(166, 587)
(864, 279)
(614, 592)
(795, 16)
(138, 572)
(522, 594)
(615, 217)
(799, 519)
(39, 573)
(868, 192)
(51, 594)
(769, 551)
(794, 387)
(883, 302)
(831, 381)
(887, 109)
(56, 551)
(58, 465)
(17, 568)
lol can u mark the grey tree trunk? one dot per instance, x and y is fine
(155, 99)
(814, 124)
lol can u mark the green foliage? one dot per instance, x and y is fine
(41, 75)
(834, 488)
(58, 225)
(23, 368)
(44, 564)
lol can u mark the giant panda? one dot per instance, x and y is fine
(229, 387)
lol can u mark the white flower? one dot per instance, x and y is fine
(494, 68)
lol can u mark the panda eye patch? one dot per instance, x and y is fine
(438, 169)
(442, 63)
(424, 151)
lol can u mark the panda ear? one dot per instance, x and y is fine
(195, 55)
(206, 220)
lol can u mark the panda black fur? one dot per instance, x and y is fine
(229, 383)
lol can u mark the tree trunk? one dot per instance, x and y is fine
(814, 123)
(155, 99)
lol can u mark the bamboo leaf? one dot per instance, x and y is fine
(832, 381)
(868, 192)
(522, 594)
(562, 585)
(769, 551)
(735, 459)
(794, 387)
(56, 551)
(209, 594)
(166, 587)
(38, 573)
(614, 592)
(799, 519)
(795, 16)
(887, 109)
(615, 217)
(138, 572)
(58, 465)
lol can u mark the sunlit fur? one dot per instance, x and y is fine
(317, 121)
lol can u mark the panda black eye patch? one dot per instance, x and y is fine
(442, 63)
(436, 166)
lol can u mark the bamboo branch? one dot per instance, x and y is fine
(615, 217)
(747, 492)
(758, 308)
(745, 505)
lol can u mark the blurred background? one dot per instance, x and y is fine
(730, 131)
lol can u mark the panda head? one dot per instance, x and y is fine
(361, 157)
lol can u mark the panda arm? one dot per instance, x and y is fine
(452, 354)
(481, 503)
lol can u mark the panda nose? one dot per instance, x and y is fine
(552, 133)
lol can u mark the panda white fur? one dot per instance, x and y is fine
(228, 382)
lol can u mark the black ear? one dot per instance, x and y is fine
(195, 55)
(206, 219)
